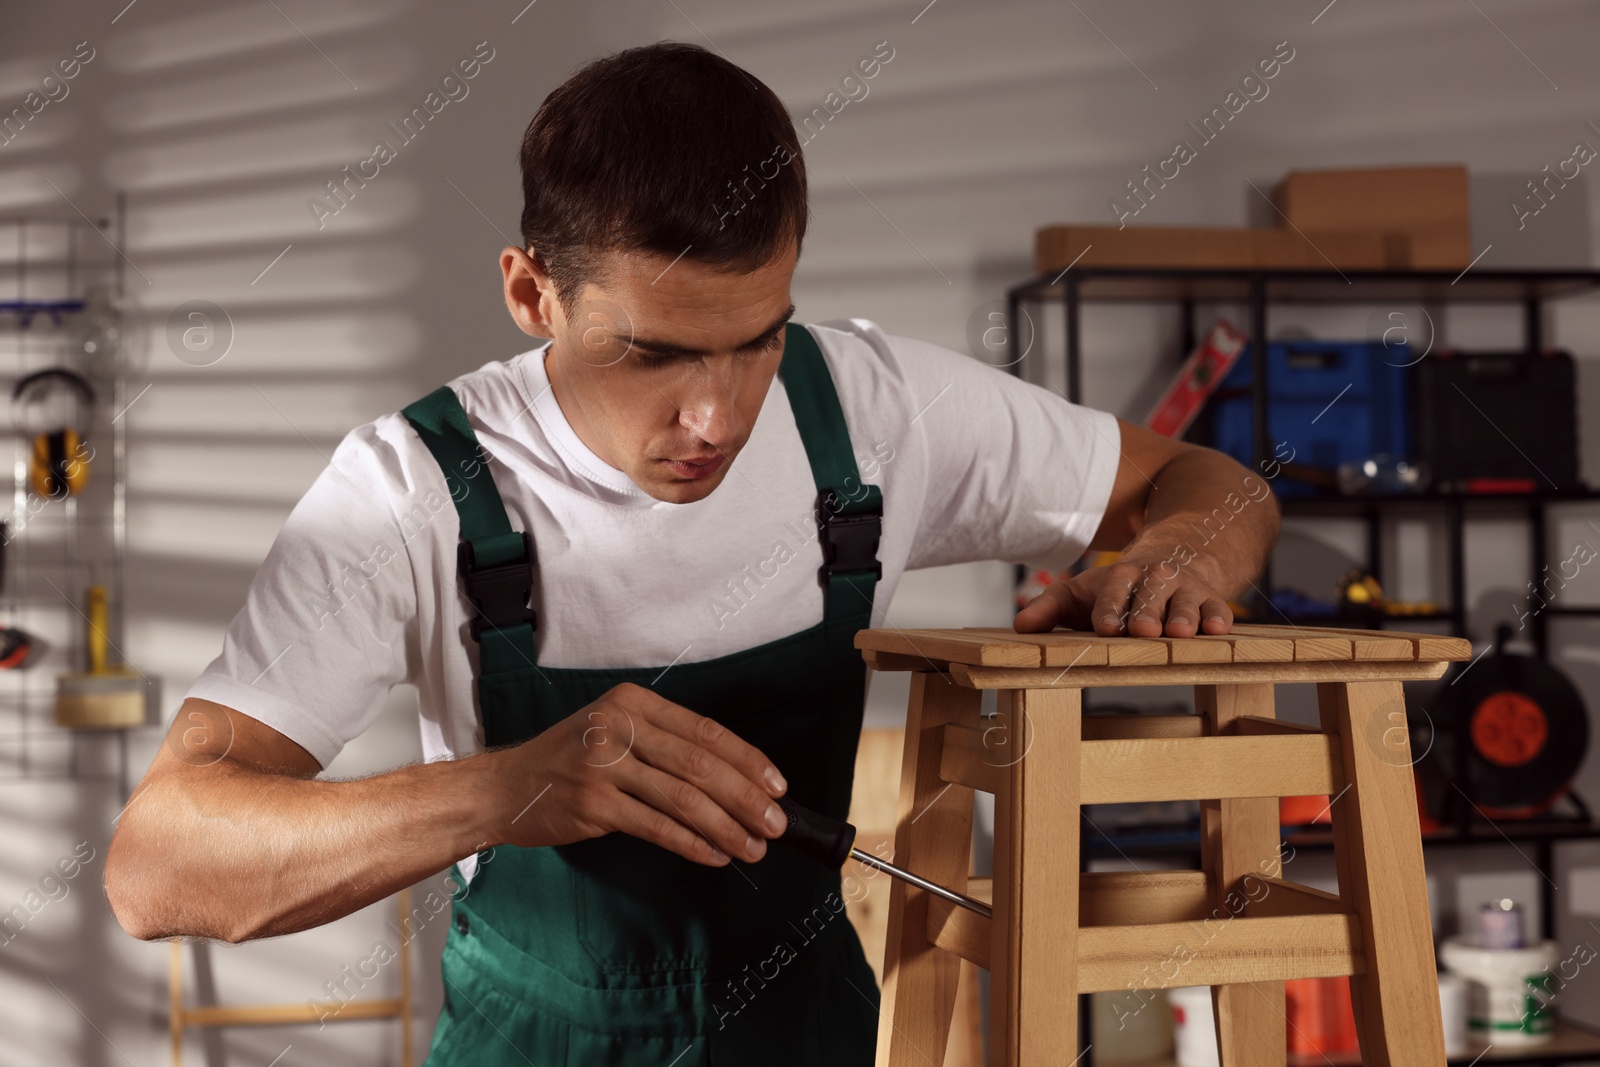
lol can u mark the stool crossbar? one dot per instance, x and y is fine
(1237, 924)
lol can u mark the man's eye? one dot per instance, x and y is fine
(771, 344)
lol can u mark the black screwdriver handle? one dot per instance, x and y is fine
(817, 835)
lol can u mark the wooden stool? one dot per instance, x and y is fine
(1236, 925)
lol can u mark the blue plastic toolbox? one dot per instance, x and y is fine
(1330, 402)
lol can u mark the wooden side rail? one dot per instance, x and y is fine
(1280, 897)
(181, 1017)
(1124, 727)
(221, 1015)
(1209, 768)
(1261, 724)
(1131, 899)
(1128, 727)
(1220, 952)
(1117, 898)
(1289, 764)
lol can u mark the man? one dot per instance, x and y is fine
(623, 570)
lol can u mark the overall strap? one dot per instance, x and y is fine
(493, 561)
(849, 513)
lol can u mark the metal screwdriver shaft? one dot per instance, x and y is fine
(922, 883)
(833, 842)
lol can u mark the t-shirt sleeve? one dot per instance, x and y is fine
(1015, 472)
(324, 630)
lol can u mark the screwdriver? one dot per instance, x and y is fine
(832, 843)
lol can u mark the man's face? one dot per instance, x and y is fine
(663, 365)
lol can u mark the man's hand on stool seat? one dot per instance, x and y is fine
(1193, 527)
(1129, 598)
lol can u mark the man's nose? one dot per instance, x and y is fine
(709, 408)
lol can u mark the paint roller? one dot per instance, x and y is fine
(103, 696)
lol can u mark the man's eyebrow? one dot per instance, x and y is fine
(667, 348)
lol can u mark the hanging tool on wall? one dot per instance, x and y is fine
(17, 646)
(832, 843)
(102, 696)
(58, 461)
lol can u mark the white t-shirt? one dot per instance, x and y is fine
(359, 592)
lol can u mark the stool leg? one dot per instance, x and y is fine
(933, 837)
(1238, 838)
(1033, 955)
(1378, 850)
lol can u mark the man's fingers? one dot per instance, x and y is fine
(1044, 612)
(1037, 615)
(1183, 612)
(702, 768)
(1112, 608)
(1216, 617)
(648, 823)
(720, 741)
(1064, 603)
(685, 803)
(1146, 613)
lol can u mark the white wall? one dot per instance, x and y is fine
(222, 119)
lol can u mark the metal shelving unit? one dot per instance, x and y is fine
(1569, 1043)
(1527, 291)
(61, 291)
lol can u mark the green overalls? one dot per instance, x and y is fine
(615, 951)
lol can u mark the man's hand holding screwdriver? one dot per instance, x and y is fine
(637, 763)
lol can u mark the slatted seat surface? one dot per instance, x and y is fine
(1247, 643)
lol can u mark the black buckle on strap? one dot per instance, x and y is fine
(849, 542)
(499, 593)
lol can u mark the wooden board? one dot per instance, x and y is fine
(1428, 646)
(956, 646)
(1188, 650)
(1192, 674)
(1424, 646)
(874, 807)
(1385, 647)
(1073, 650)
(1224, 953)
(896, 661)
(1238, 845)
(933, 836)
(1033, 1008)
(1378, 853)
(1202, 768)
(1253, 647)
(1316, 645)
(1060, 648)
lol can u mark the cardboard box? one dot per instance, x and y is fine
(1305, 249)
(1429, 204)
(1174, 246)
(1141, 246)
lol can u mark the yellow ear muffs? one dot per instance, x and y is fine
(58, 460)
(58, 464)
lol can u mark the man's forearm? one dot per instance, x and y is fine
(1208, 515)
(232, 852)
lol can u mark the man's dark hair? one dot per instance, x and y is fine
(669, 149)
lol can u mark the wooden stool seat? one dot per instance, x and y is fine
(1236, 925)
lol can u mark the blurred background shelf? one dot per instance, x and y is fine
(1570, 1043)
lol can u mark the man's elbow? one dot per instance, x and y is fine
(135, 899)
(128, 903)
(153, 900)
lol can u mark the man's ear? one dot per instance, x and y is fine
(530, 294)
